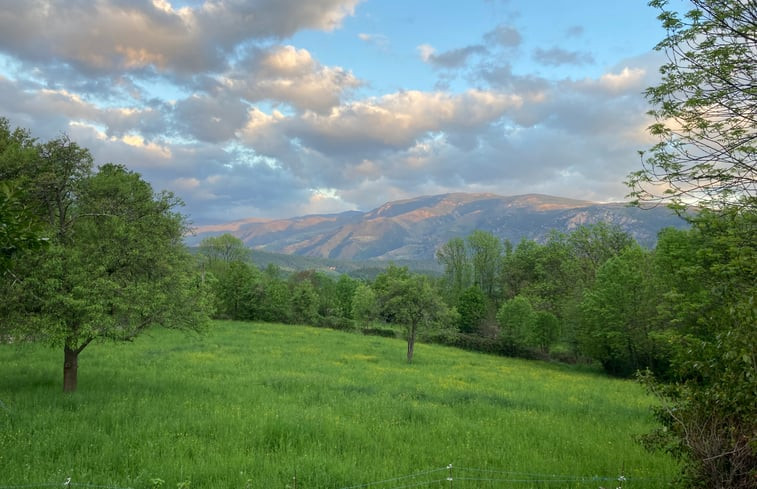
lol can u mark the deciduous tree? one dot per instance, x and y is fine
(409, 300)
(116, 263)
(704, 108)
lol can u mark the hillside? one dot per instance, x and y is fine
(413, 229)
(254, 405)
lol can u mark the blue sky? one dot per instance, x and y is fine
(276, 108)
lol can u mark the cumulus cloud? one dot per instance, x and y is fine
(290, 75)
(397, 120)
(130, 36)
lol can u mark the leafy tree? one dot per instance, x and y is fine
(364, 304)
(593, 245)
(472, 308)
(409, 300)
(704, 108)
(517, 318)
(239, 291)
(486, 252)
(345, 292)
(116, 263)
(20, 228)
(218, 252)
(304, 303)
(225, 248)
(546, 330)
(520, 269)
(619, 314)
(275, 305)
(709, 411)
(453, 255)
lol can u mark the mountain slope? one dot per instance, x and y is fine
(414, 228)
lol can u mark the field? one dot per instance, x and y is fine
(272, 406)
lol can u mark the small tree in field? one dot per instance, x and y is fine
(409, 300)
(115, 265)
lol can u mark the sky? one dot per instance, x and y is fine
(281, 108)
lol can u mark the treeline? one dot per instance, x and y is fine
(590, 295)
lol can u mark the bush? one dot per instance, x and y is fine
(385, 332)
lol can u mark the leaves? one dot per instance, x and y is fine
(704, 109)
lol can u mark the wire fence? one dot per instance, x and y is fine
(449, 477)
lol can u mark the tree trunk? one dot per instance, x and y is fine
(410, 344)
(70, 368)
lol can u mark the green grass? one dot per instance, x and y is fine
(251, 405)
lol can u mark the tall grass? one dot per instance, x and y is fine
(254, 405)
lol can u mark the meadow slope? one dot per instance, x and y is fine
(250, 405)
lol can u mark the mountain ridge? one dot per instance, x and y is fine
(414, 228)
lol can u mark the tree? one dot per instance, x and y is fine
(276, 301)
(486, 259)
(116, 263)
(364, 304)
(517, 318)
(546, 330)
(20, 228)
(708, 415)
(591, 246)
(218, 252)
(345, 293)
(472, 307)
(453, 255)
(704, 108)
(619, 314)
(409, 300)
(239, 291)
(304, 302)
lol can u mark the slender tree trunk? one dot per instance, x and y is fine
(70, 368)
(410, 344)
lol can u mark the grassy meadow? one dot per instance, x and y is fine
(256, 405)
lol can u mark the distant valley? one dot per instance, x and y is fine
(413, 229)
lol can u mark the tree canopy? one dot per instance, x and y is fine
(704, 108)
(115, 264)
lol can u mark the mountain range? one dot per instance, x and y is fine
(413, 229)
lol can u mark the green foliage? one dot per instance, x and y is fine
(364, 304)
(486, 251)
(239, 291)
(709, 411)
(517, 318)
(115, 266)
(619, 313)
(304, 303)
(472, 307)
(261, 402)
(546, 330)
(276, 302)
(458, 273)
(345, 291)
(218, 251)
(409, 300)
(704, 108)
